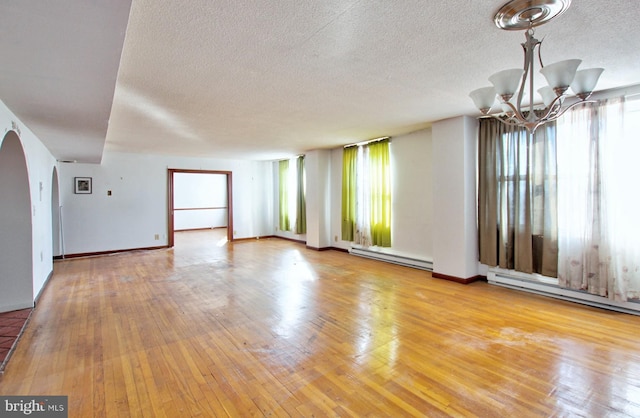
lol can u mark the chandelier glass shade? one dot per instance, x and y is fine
(512, 86)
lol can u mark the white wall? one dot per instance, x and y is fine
(185, 220)
(318, 198)
(454, 198)
(40, 164)
(411, 176)
(335, 181)
(255, 200)
(136, 211)
(199, 200)
(412, 216)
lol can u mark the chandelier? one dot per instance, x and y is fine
(527, 14)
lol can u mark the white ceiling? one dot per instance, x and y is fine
(58, 68)
(271, 79)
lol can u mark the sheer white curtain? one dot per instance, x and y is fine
(288, 195)
(621, 172)
(363, 190)
(598, 226)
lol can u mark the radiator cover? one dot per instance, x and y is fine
(402, 260)
(544, 286)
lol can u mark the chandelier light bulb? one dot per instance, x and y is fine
(560, 74)
(585, 81)
(484, 98)
(506, 82)
(548, 95)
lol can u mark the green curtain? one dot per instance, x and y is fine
(301, 206)
(349, 163)
(284, 195)
(379, 170)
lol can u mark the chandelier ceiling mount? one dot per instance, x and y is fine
(525, 14)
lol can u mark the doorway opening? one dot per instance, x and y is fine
(200, 200)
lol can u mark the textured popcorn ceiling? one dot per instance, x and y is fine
(270, 79)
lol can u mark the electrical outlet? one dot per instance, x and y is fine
(157, 237)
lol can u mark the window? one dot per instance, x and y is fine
(291, 196)
(517, 198)
(366, 194)
(567, 192)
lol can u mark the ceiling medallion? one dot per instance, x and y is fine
(524, 14)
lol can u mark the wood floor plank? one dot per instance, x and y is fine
(270, 328)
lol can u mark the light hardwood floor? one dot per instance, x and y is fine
(269, 328)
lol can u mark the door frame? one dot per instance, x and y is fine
(170, 207)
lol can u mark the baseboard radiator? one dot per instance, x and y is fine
(393, 258)
(545, 286)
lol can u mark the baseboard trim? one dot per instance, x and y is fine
(457, 279)
(239, 240)
(44, 285)
(309, 247)
(207, 228)
(17, 306)
(100, 253)
(299, 241)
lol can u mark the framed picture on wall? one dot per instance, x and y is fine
(82, 185)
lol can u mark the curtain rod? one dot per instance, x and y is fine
(287, 159)
(367, 142)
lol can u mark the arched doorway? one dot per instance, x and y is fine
(16, 258)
